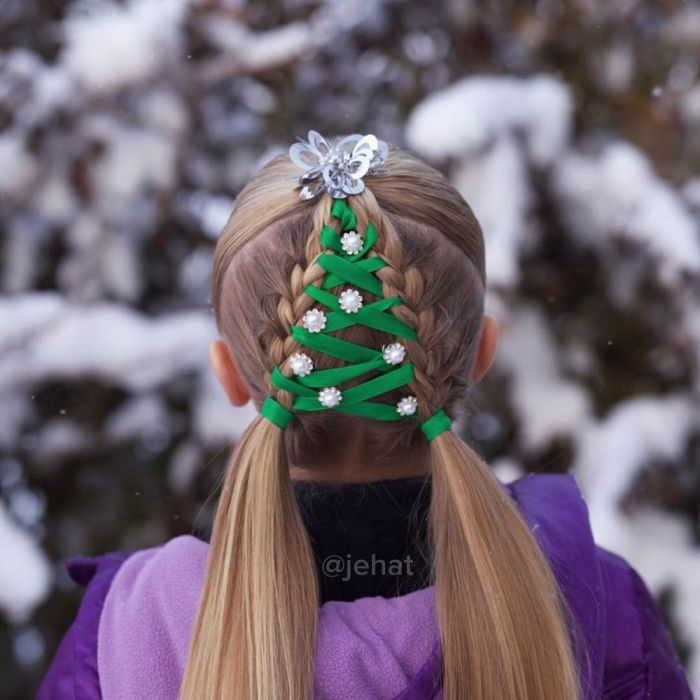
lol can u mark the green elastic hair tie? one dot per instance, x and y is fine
(348, 264)
(276, 413)
(436, 425)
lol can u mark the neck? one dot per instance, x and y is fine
(353, 469)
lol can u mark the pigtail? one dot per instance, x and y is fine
(501, 619)
(255, 634)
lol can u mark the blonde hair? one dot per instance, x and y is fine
(501, 619)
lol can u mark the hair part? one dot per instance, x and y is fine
(501, 619)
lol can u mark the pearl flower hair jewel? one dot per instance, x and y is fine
(314, 320)
(330, 397)
(394, 353)
(350, 301)
(301, 364)
(407, 406)
(351, 242)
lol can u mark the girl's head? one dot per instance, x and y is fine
(502, 627)
(434, 247)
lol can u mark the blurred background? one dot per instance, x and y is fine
(126, 130)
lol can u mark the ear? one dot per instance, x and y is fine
(228, 374)
(486, 351)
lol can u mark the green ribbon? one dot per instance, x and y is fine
(351, 273)
(367, 265)
(276, 413)
(437, 424)
(307, 399)
(331, 240)
(335, 347)
(357, 270)
(341, 211)
(369, 315)
(338, 375)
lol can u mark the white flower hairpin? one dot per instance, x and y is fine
(339, 167)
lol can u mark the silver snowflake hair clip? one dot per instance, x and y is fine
(339, 167)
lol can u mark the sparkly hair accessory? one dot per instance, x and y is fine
(339, 167)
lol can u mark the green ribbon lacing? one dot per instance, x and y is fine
(359, 271)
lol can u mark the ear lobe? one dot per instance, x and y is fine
(486, 350)
(228, 374)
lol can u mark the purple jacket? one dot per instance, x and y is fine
(130, 638)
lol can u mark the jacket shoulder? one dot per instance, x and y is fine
(147, 619)
(550, 499)
(72, 674)
(553, 508)
(622, 644)
(640, 659)
(120, 590)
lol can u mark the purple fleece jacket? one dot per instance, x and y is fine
(131, 635)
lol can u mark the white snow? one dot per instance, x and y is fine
(110, 45)
(470, 114)
(15, 411)
(19, 167)
(483, 180)
(164, 111)
(244, 51)
(142, 412)
(135, 160)
(60, 437)
(690, 324)
(25, 574)
(634, 432)
(210, 211)
(183, 467)
(49, 87)
(55, 199)
(506, 470)
(46, 337)
(548, 404)
(52, 338)
(690, 107)
(493, 128)
(617, 193)
(691, 192)
(254, 51)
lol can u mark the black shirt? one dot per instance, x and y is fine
(370, 538)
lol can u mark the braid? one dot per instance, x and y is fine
(294, 302)
(433, 384)
(436, 379)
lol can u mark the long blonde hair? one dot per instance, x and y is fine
(502, 623)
